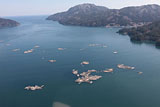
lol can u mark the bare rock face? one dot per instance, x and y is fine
(93, 16)
(8, 23)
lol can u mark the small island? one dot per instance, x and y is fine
(8, 23)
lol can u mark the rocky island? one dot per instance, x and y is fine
(96, 16)
(8, 23)
(150, 32)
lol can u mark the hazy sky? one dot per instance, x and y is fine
(45, 7)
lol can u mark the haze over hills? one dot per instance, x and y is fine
(94, 16)
(8, 23)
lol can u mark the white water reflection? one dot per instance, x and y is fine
(59, 104)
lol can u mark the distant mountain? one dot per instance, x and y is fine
(7, 23)
(92, 15)
(150, 32)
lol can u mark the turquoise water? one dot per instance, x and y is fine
(122, 88)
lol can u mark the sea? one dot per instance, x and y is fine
(120, 88)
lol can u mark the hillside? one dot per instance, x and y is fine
(92, 15)
(150, 32)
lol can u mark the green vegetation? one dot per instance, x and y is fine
(150, 32)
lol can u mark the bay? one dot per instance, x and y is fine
(122, 88)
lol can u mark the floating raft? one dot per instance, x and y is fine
(33, 88)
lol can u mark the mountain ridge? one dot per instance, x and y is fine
(95, 16)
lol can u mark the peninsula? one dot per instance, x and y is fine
(8, 23)
(150, 32)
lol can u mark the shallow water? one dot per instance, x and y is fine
(122, 88)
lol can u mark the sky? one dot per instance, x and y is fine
(47, 7)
